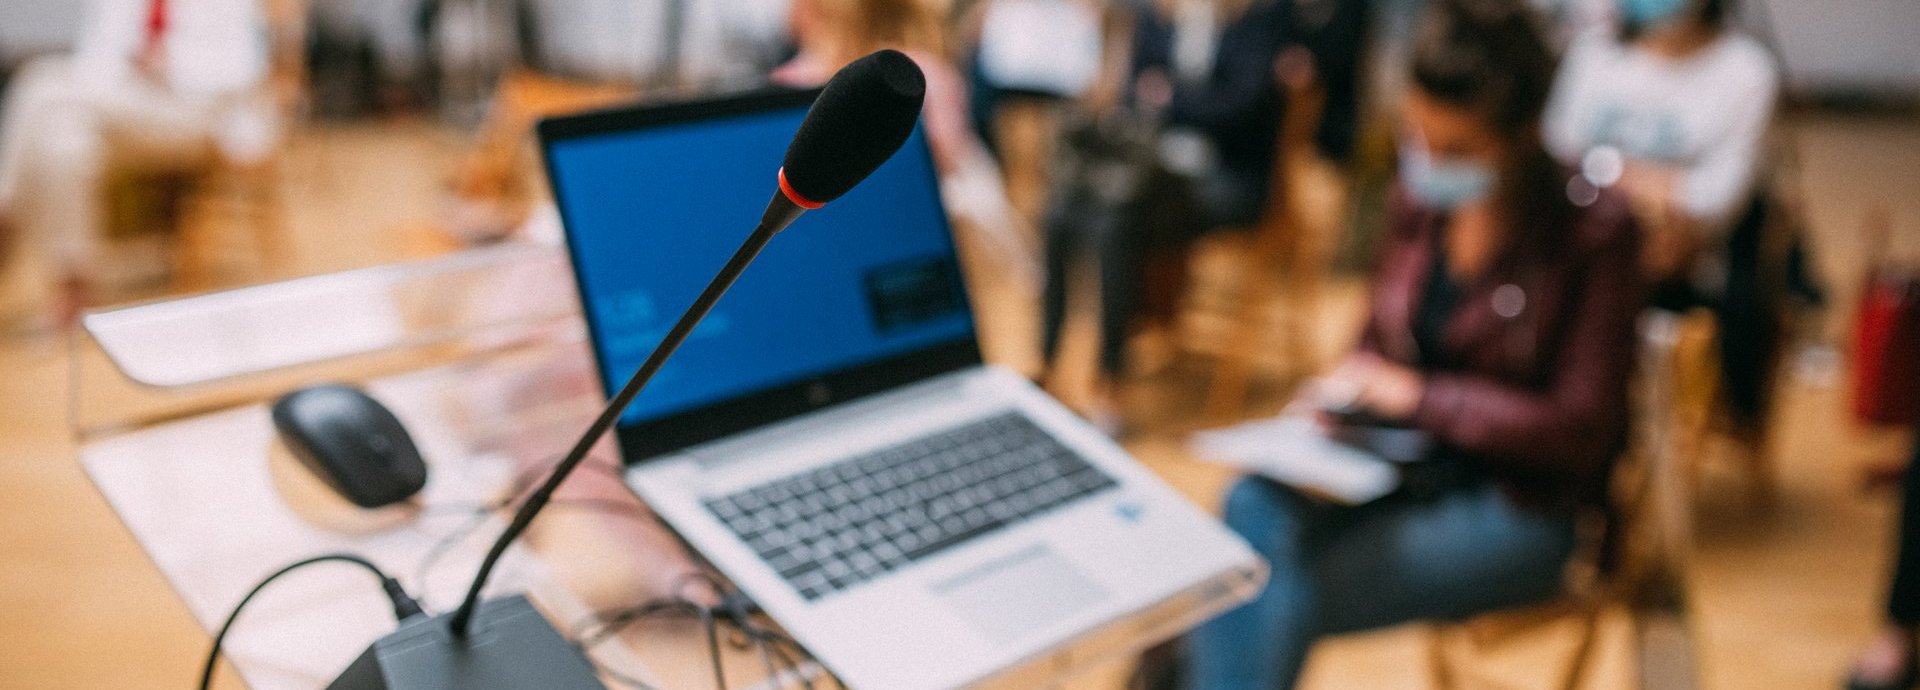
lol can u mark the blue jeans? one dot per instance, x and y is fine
(1347, 569)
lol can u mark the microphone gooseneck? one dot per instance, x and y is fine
(859, 120)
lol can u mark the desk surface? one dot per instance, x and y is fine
(217, 510)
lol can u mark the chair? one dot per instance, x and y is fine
(1702, 405)
(1633, 558)
(488, 183)
(1582, 608)
(230, 220)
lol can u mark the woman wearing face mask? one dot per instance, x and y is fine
(1673, 108)
(1501, 327)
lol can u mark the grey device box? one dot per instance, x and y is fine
(511, 647)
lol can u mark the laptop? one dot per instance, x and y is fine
(829, 437)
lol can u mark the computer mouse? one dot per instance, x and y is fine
(352, 443)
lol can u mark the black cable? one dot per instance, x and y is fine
(778, 650)
(404, 606)
(766, 657)
(806, 682)
(708, 619)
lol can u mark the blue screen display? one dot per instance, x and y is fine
(653, 213)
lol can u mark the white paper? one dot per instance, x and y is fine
(1293, 451)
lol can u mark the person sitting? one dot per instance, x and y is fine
(1674, 108)
(1202, 80)
(1890, 661)
(151, 85)
(1501, 327)
(831, 33)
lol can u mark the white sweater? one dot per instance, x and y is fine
(1706, 115)
(214, 48)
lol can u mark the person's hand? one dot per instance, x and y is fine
(1650, 185)
(1667, 251)
(1652, 193)
(1153, 90)
(1670, 241)
(1294, 69)
(1390, 390)
(1367, 383)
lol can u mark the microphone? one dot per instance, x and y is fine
(865, 113)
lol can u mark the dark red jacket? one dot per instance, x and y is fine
(1531, 383)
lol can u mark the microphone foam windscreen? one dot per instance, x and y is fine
(860, 119)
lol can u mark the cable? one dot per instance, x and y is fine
(778, 651)
(404, 606)
(708, 619)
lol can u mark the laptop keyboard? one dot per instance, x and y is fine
(845, 523)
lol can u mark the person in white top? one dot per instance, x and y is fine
(151, 84)
(1674, 108)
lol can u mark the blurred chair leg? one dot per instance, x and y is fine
(1487, 632)
(1439, 667)
(1580, 661)
(1233, 374)
(1278, 244)
(1026, 129)
(1664, 653)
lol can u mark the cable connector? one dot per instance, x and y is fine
(404, 605)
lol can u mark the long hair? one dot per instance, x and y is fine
(1490, 58)
(1487, 57)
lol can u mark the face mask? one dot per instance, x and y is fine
(1444, 184)
(1650, 12)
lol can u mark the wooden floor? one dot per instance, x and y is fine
(1784, 596)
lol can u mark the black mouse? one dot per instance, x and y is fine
(352, 442)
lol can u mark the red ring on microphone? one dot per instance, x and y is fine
(793, 196)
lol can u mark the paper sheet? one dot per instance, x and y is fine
(1292, 450)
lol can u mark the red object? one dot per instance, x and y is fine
(1886, 351)
(794, 196)
(156, 20)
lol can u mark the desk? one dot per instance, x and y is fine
(194, 477)
(485, 362)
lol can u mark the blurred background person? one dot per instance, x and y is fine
(996, 245)
(1673, 107)
(150, 85)
(1501, 327)
(1206, 69)
(1033, 62)
(1194, 151)
(1890, 661)
(1326, 45)
(828, 34)
(1886, 394)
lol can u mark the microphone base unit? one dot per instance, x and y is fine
(511, 646)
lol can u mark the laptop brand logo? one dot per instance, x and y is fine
(1129, 511)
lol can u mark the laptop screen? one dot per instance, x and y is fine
(652, 211)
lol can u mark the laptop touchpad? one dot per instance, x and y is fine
(1012, 596)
